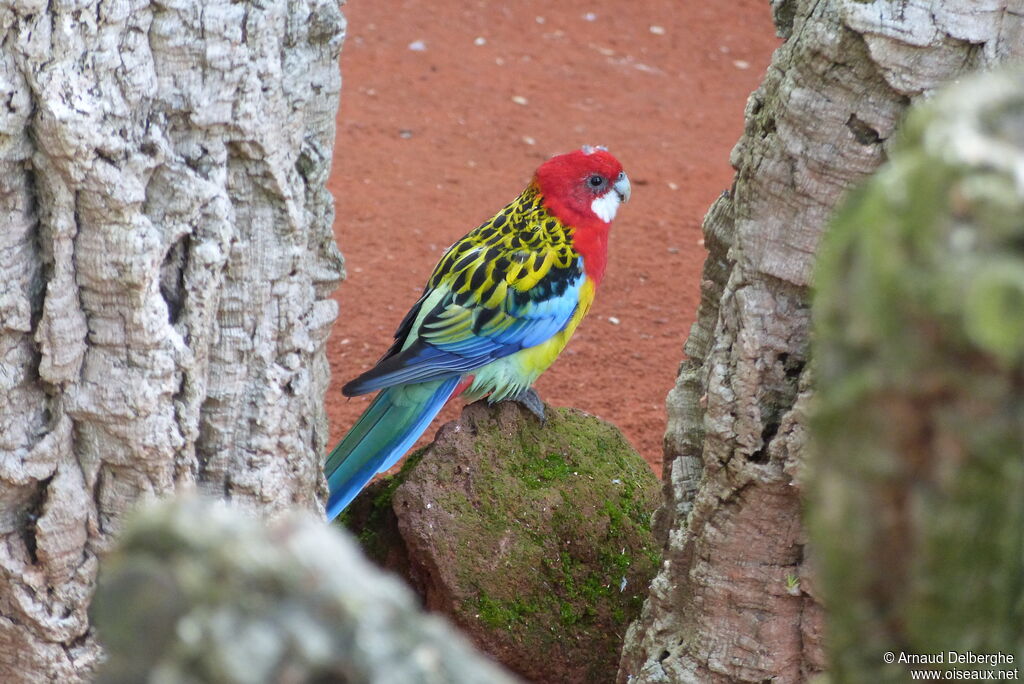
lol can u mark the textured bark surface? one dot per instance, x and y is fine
(165, 260)
(916, 480)
(294, 602)
(734, 600)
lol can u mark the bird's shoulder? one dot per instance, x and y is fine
(523, 249)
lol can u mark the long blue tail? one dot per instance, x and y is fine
(381, 436)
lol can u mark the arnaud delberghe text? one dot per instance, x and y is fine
(956, 658)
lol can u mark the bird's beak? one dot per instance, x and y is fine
(621, 186)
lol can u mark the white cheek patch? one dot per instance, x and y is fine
(606, 205)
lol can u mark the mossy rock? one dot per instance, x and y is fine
(534, 539)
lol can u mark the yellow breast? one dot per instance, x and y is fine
(512, 374)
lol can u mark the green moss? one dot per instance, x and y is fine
(573, 496)
(540, 471)
(498, 614)
(546, 528)
(550, 534)
(370, 518)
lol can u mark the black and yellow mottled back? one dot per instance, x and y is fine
(521, 245)
(509, 284)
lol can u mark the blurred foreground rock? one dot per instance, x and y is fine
(198, 592)
(535, 540)
(917, 494)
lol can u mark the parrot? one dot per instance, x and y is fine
(498, 308)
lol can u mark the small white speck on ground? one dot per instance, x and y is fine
(673, 186)
(590, 16)
(540, 20)
(658, 30)
(741, 64)
(613, 320)
(480, 40)
(528, 140)
(418, 46)
(646, 68)
(520, 100)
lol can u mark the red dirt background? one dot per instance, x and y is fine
(433, 141)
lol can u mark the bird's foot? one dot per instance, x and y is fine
(531, 401)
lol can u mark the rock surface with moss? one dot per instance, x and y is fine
(534, 539)
(917, 487)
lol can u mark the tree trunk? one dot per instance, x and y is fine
(734, 600)
(166, 256)
(916, 482)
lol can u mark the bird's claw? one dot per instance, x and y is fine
(531, 401)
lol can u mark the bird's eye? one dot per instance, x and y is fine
(596, 181)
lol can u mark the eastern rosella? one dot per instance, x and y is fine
(498, 309)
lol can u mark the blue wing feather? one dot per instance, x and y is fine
(381, 436)
(435, 353)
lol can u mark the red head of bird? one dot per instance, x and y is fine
(583, 189)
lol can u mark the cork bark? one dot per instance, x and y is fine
(735, 599)
(165, 262)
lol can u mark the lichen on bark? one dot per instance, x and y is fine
(917, 480)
